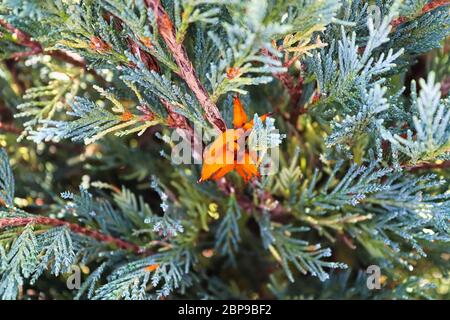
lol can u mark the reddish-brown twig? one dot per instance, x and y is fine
(186, 70)
(175, 120)
(427, 165)
(426, 8)
(94, 234)
(292, 85)
(7, 127)
(36, 48)
(24, 40)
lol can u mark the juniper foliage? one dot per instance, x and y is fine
(92, 92)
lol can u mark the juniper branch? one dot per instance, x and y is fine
(177, 120)
(426, 8)
(186, 70)
(23, 221)
(36, 48)
(293, 86)
(24, 39)
(9, 128)
(426, 166)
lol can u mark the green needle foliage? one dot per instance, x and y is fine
(95, 97)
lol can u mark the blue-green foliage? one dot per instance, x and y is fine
(397, 209)
(92, 119)
(6, 179)
(361, 183)
(18, 263)
(245, 38)
(424, 33)
(58, 249)
(130, 281)
(30, 255)
(168, 225)
(431, 122)
(227, 235)
(293, 251)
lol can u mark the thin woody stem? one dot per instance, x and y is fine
(23, 39)
(9, 128)
(186, 70)
(175, 120)
(94, 234)
(36, 48)
(292, 85)
(426, 165)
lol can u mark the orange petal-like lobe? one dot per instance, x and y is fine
(223, 142)
(223, 155)
(152, 267)
(223, 171)
(126, 116)
(217, 166)
(239, 115)
(249, 125)
(248, 169)
(208, 170)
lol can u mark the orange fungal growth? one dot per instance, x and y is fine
(225, 154)
(232, 72)
(434, 4)
(239, 115)
(126, 116)
(99, 45)
(147, 41)
(152, 267)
